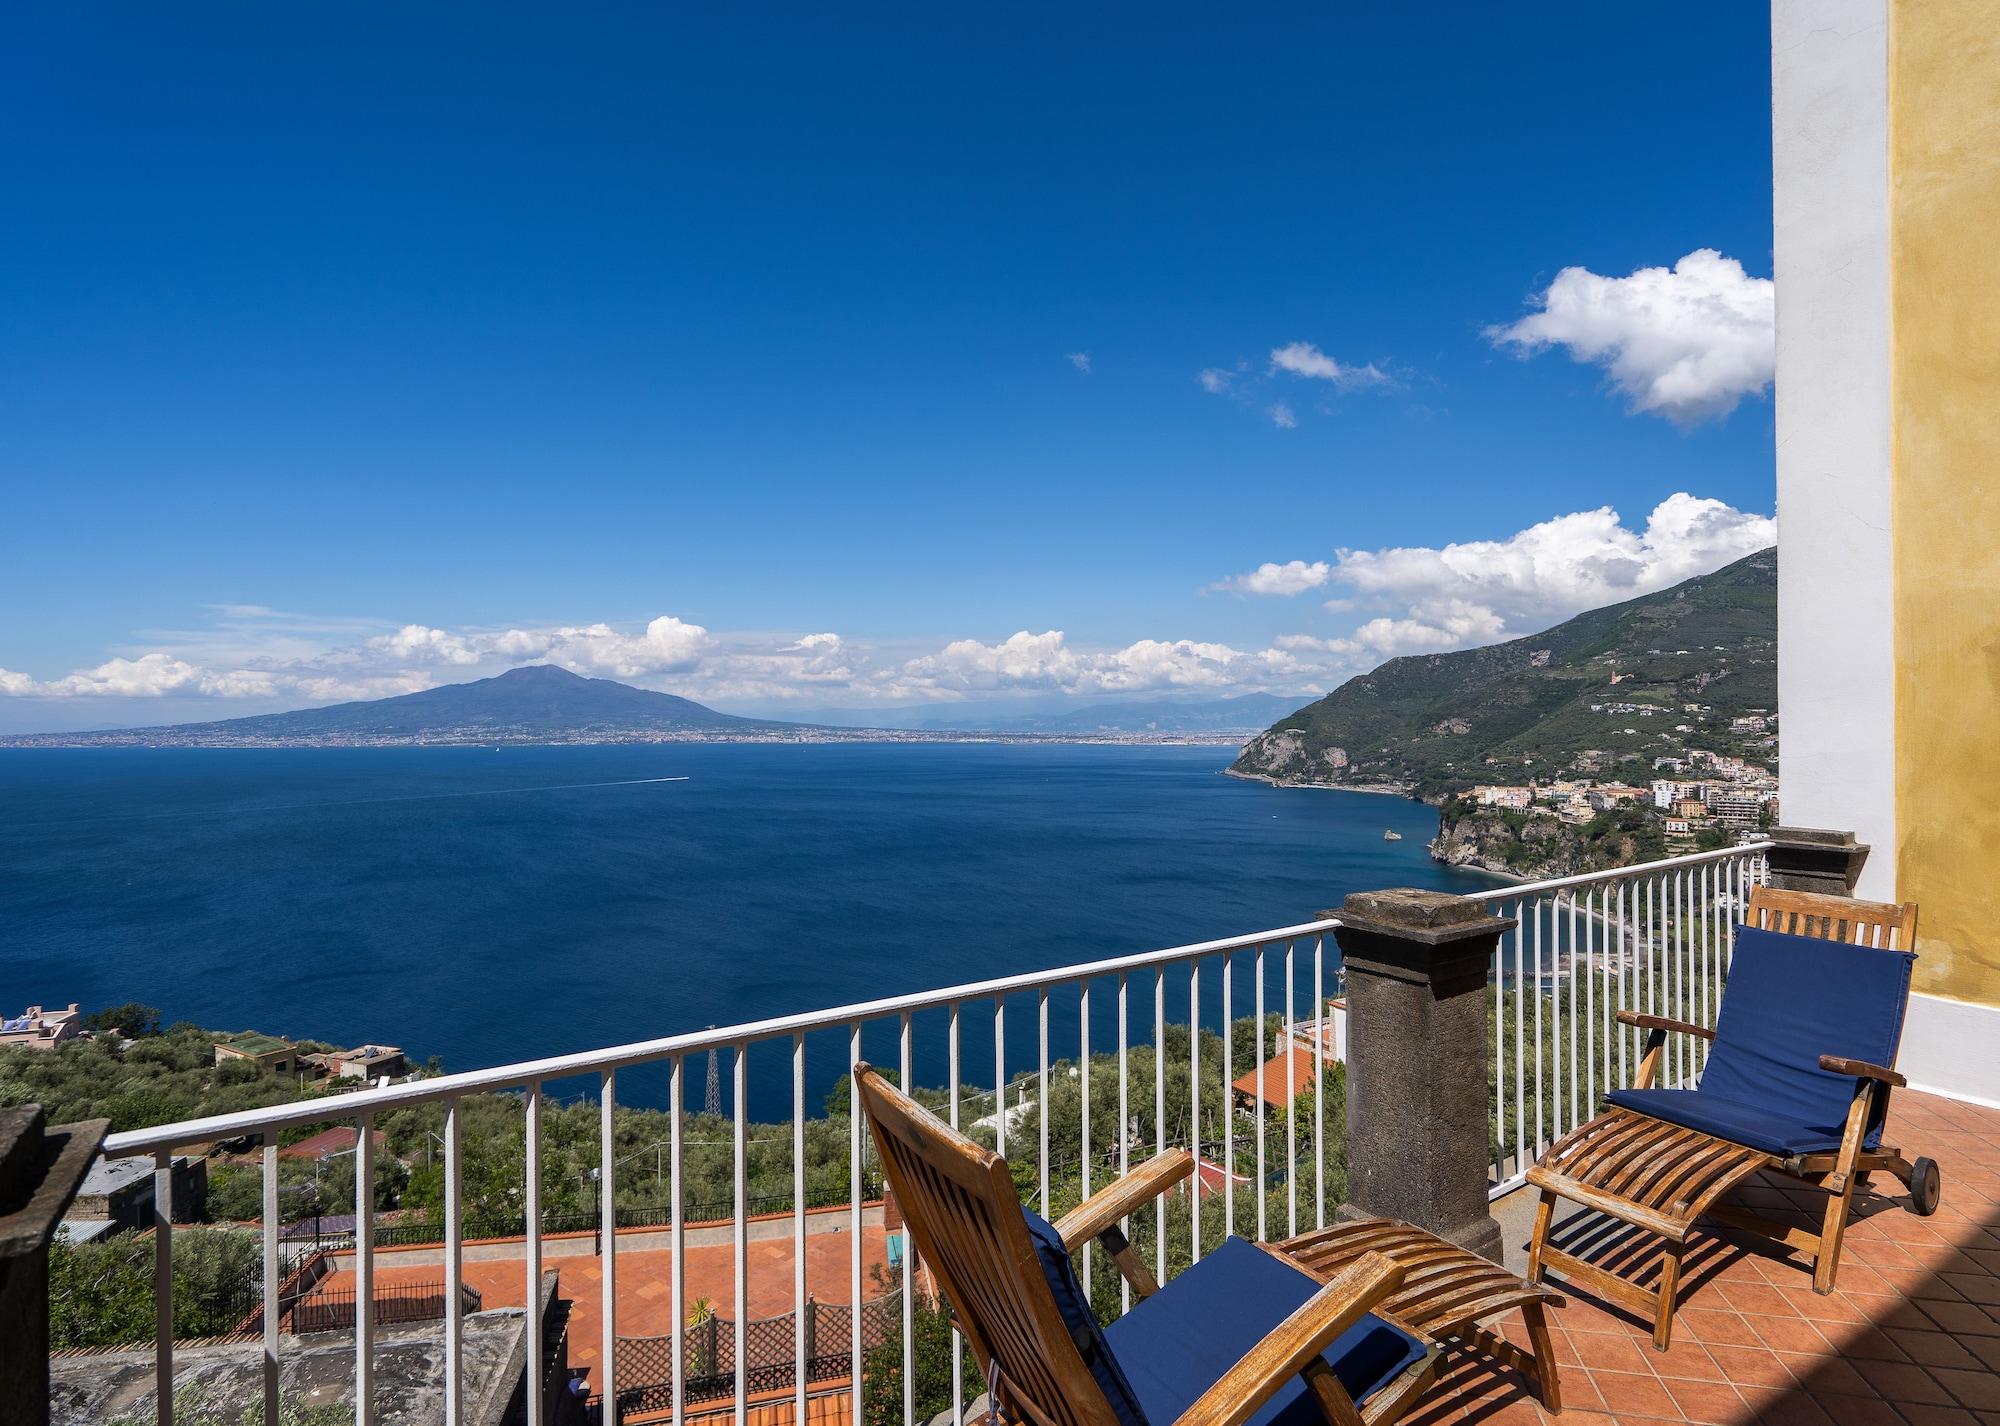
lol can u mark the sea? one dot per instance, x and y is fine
(485, 905)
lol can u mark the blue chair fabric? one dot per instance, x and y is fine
(1175, 1345)
(1081, 1321)
(1789, 1000)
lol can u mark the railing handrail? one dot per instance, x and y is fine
(1535, 888)
(367, 1102)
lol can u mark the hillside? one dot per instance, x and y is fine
(1603, 693)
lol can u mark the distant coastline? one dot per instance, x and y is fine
(171, 738)
(1378, 789)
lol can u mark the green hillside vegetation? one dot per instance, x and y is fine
(1436, 724)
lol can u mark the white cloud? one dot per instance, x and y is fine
(1562, 566)
(1428, 599)
(415, 643)
(1305, 359)
(1282, 417)
(1291, 577)
(1046, 662)
(1687, 343)
(1081, 361)
(1214, 380)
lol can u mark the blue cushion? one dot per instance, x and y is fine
(1081, 1321)
(1789, 1000)
(1726, 1119)
(1178, 1343)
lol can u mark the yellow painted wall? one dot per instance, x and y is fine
(1944, 166)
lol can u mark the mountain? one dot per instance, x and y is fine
(538, 703)
(1603, 693)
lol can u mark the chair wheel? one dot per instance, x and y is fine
(1925, 1187)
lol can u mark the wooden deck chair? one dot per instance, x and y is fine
(1243, 1338)
(1797, 1080)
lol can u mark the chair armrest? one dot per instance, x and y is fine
(1861, 1069)
(1660, 1022)
(1294, 1345)
(1104, 1208)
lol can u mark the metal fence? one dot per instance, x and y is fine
(1655, 938)
(772, 1353)
(1090, 1040)
(332, 1309)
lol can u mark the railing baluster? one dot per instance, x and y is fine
(1042, 1087)
(1322, 1047)
(1228, 1097)
(531, 1207)
(957, 1339)
(1124, 1136)
(909, 1344)
(607, 1228)
(854, 1217)
(799, 1234)
(1194, 1111)
(454, 1267)
(1291, 1101)
(1520, 1044)
(677, 1230)
(1263, 1184)
(999, 1073)
(739, 1093)
(163, 1287)
(1541, 1076)
(1160, 1113)
(364, 1272)
(1083, 1094)
(1569, 984)
(272, 1404)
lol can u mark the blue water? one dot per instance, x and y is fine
(485, 906)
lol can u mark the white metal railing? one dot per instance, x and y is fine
(1655, 938)
(1080, 1002)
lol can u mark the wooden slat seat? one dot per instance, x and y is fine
(1448, 1294)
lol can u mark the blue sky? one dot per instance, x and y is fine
(740, 352)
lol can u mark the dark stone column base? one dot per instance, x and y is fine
(1815, 859)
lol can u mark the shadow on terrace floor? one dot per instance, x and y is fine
(1909, 1337)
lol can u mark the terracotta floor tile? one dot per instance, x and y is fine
(1633, 1394)
(1939, 1416)
(1788, 1334)
(1686, 1359)
(1707, 1401)
(1904, 1384)
(1717, 1325)
(1751, 1366)
(1979, 1388)
(1931, 1349)
(1760, 1298)
(1859, 1411)
(1825, 1375)
(1602, 1352)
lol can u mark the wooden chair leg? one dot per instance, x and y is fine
(1544, 1214)
(1670, 1286)
(1546, 1382)
(1826, 1262)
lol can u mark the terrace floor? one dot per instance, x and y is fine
(1910, 1336)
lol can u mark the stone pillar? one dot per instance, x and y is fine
(1416, 964)
(1815, 859)
(40, 1171)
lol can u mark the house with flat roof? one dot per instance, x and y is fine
(40, 1029)
(269, 1053)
